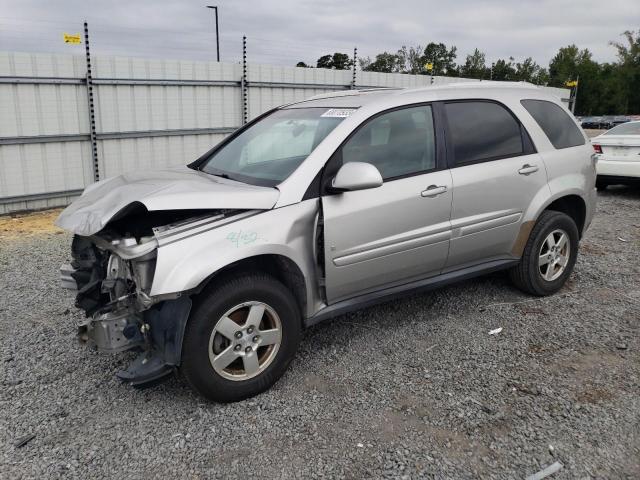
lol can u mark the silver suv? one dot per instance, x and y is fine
(318, 208)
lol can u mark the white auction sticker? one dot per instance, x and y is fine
(338, 112)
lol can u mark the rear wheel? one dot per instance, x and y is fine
(240, 338)
(549, 256)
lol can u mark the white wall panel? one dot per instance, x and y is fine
(44, 167)
(52, 109)
(14, 64)
(262, 99)
(277, 74)
(125, 155)
(42, 110)
(21, 206)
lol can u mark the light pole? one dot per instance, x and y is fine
(217, 35)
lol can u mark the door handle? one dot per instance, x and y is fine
(528, 169)
(433, 190)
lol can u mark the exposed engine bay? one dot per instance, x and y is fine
(113, 272)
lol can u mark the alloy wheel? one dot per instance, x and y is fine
(554, 255)
(245, 341)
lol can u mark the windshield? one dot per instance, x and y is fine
(632, 128)
(267, 152)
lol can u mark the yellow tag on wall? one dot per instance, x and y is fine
(68, 38)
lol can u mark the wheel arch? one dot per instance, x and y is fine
(281, 267)
(570, 204)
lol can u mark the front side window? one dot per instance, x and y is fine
(561, 131)
(482, 131)
(267, 152)
(397, 143)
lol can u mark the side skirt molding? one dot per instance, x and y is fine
(399, 291)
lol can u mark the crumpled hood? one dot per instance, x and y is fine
(179, 188)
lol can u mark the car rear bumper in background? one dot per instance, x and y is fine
(618, 168)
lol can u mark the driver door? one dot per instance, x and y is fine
(398, 232)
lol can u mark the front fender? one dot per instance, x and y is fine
(286, 231)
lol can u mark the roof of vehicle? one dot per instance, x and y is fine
(359, 98)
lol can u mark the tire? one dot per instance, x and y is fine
(233, 298)
(529, 274)
(601, 185)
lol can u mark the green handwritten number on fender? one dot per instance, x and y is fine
(242, 238)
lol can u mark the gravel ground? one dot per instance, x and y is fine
(414, 388)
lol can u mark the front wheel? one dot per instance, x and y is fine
(549, 256)
(240, 338)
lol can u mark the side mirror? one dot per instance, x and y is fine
(356, 176)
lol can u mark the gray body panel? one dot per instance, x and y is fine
(490, 200)
(384, 235)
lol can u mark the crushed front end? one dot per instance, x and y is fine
(113, 273)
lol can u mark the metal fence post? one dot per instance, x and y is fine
(243, 83)
(90, 104)
(355, 60)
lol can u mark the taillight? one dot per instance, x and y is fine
(597, 148)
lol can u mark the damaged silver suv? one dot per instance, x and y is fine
(318, 208)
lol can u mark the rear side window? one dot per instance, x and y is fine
(482, 131)
(561, 131)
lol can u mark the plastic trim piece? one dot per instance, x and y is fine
(399, 291)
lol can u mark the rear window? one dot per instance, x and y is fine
(482, 131)
(557, 125)
(625, 129)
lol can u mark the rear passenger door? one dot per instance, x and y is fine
(496, 174)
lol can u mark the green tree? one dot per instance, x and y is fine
(475, 66)
(565, 64)
(324, 62)
(541, 77)
(410, 60)
(628, 77)
(302, 65)
(384, 62)
(503, 70)
(341, 61)
(571, 63)
(442, 58)
(613, 94)
(527, 71)
(337, 61)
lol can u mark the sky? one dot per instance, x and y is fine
(287, 31)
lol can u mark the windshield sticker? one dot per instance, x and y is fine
(338, 112)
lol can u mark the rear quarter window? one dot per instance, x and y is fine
(557, 125)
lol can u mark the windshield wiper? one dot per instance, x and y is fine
(217, 173)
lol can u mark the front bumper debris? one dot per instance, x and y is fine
(112, 332)
(163, 330)
(112, 282)
(66, 280)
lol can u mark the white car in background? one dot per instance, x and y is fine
(618, 152)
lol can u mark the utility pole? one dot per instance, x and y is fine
(575, 94)
(217, 34)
